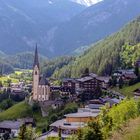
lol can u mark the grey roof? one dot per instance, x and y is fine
(82, 115)
(10, 124)
(86, 109)
(43, 81)
(93, 75)
(133, 76)
(84, 79)
(74, 80)
(36, 61)
(113, 101)
(103, 78)
(95, 106)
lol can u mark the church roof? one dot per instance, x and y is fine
(43, 81)
(36, 61)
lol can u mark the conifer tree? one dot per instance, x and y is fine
(137, 70)
(121, 82)
(22, 132)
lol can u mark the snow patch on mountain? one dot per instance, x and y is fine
(87, 2)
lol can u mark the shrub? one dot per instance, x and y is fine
(6, 104)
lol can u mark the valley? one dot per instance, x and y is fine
(69, 70)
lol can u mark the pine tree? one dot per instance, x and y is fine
(114, 81)
(59, 133)
(26, 133)
(79, 134)
(22, 132)
(121, 82)
(137, 70)
(86, 72)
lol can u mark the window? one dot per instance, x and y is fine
(35, 72)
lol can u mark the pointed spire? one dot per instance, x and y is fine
(36, 61)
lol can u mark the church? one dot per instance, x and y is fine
(41, 87)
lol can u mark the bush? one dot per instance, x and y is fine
(6, 104)
(114, 118)
(35, 107)
(53, 118)
(109, 120)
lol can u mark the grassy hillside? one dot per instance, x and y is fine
(22, 110)
(19, 110)
(120, 49)
(128, 90)
(131, 131)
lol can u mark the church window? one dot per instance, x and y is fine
(35, 72)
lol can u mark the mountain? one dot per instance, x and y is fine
(60, 27)
(93, 24)
(119, 50)
(25, 22)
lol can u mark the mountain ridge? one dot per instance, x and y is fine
(61, 28)
(93, 24)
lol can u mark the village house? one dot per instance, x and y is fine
(87, 84)
(73, 121)
(11, 127)
(70, 124)
(68, 85)
(127, 75)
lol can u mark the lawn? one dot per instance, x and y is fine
(131, 131)
(128, 90)
(19, 72)
(3, 79)
(41, 122)
(16, 76)
(19, 110)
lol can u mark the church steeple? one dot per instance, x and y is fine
(36, 61)
(41, 87)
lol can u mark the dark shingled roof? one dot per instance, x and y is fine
(43, 81)
(36, 61)
(10, 124)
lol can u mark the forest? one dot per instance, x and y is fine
(118, 50)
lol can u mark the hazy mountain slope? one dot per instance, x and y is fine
(25, 22)
(57, 26)
(119, 50)
(93, 24)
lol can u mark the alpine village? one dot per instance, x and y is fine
(70, 70)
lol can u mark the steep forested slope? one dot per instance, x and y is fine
(118, 50)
